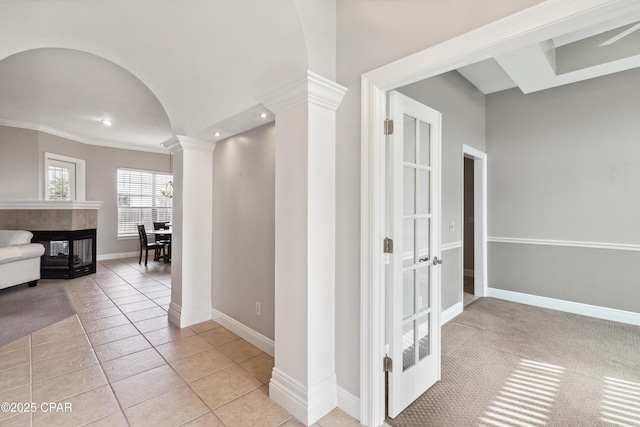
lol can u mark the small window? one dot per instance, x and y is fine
(64, 178)
(141, 201)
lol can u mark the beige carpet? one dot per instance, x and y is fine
(24, 310)
(508, 364)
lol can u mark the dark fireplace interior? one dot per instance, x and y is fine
(67, 254)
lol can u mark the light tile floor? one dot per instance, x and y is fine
(118, 362)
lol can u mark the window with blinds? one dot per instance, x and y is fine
(140, 200)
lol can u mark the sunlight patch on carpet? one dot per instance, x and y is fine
(621, 403)
(526, 397)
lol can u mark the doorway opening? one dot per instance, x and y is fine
(468, 218)
(474, 224)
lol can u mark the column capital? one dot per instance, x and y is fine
(186, 143)
(312, 88)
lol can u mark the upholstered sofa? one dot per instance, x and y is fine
(19, 258)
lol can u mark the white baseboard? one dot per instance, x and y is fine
(183, 317)
(262, 342)
(568, 306)
(174, 313)
(451, 312)
(349, 403)
(469, 272)
(306, 404)
(106, 257)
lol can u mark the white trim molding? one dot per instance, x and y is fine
(450, 246)
(48, 205)
(312, 88)
(306, 404)
(451, 312)
(181, 142)
(349, 403)
(106, 257)
(568, 306)
(73, 137)
(480, 196)
(186, 317)
(566, 243)
(243, 331)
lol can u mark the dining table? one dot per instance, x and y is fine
(164, 232)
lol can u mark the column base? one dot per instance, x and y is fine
(187, 316)
(307, 405)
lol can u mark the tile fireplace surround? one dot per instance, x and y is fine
(48, 215)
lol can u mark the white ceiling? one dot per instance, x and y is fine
(158, 69)
(168, 69)
(72, 91)
(565, 59)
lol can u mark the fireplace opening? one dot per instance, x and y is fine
(67, 254)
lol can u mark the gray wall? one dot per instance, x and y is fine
(463, 122)
(244, 228)
(18, 164)
(600, 277)
(22, 151)
(564, 164)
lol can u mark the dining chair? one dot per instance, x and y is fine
(146, 245)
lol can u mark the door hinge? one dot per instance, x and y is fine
(387, 364)
(388, 245)
(388, 127)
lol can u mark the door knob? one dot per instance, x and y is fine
(436, 261)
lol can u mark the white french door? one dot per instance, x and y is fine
(413, 312)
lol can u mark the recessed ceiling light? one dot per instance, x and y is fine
(216, 134)
(107, 122)
(264, 115)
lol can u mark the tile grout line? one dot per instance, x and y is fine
(163, 358)
(105, 377)
(100, 363)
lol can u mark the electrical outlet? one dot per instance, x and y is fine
(258, 309)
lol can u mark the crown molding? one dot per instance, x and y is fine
(186, 143)
(73, 137)
(312, 88)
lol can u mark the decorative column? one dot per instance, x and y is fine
(304, 376)
(191, 248)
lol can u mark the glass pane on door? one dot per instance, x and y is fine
(409, 143)
(408, 293)
(424, 145)
(423, 288)
(408, 237)
(409, 184)
(423, 336)
(423, 239)
(424, 201)
(408, 346)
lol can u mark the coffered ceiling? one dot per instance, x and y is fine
(609, 47)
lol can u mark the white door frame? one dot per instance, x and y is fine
(536, 24)
(479, 220)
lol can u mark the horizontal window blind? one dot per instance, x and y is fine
(140, 200)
